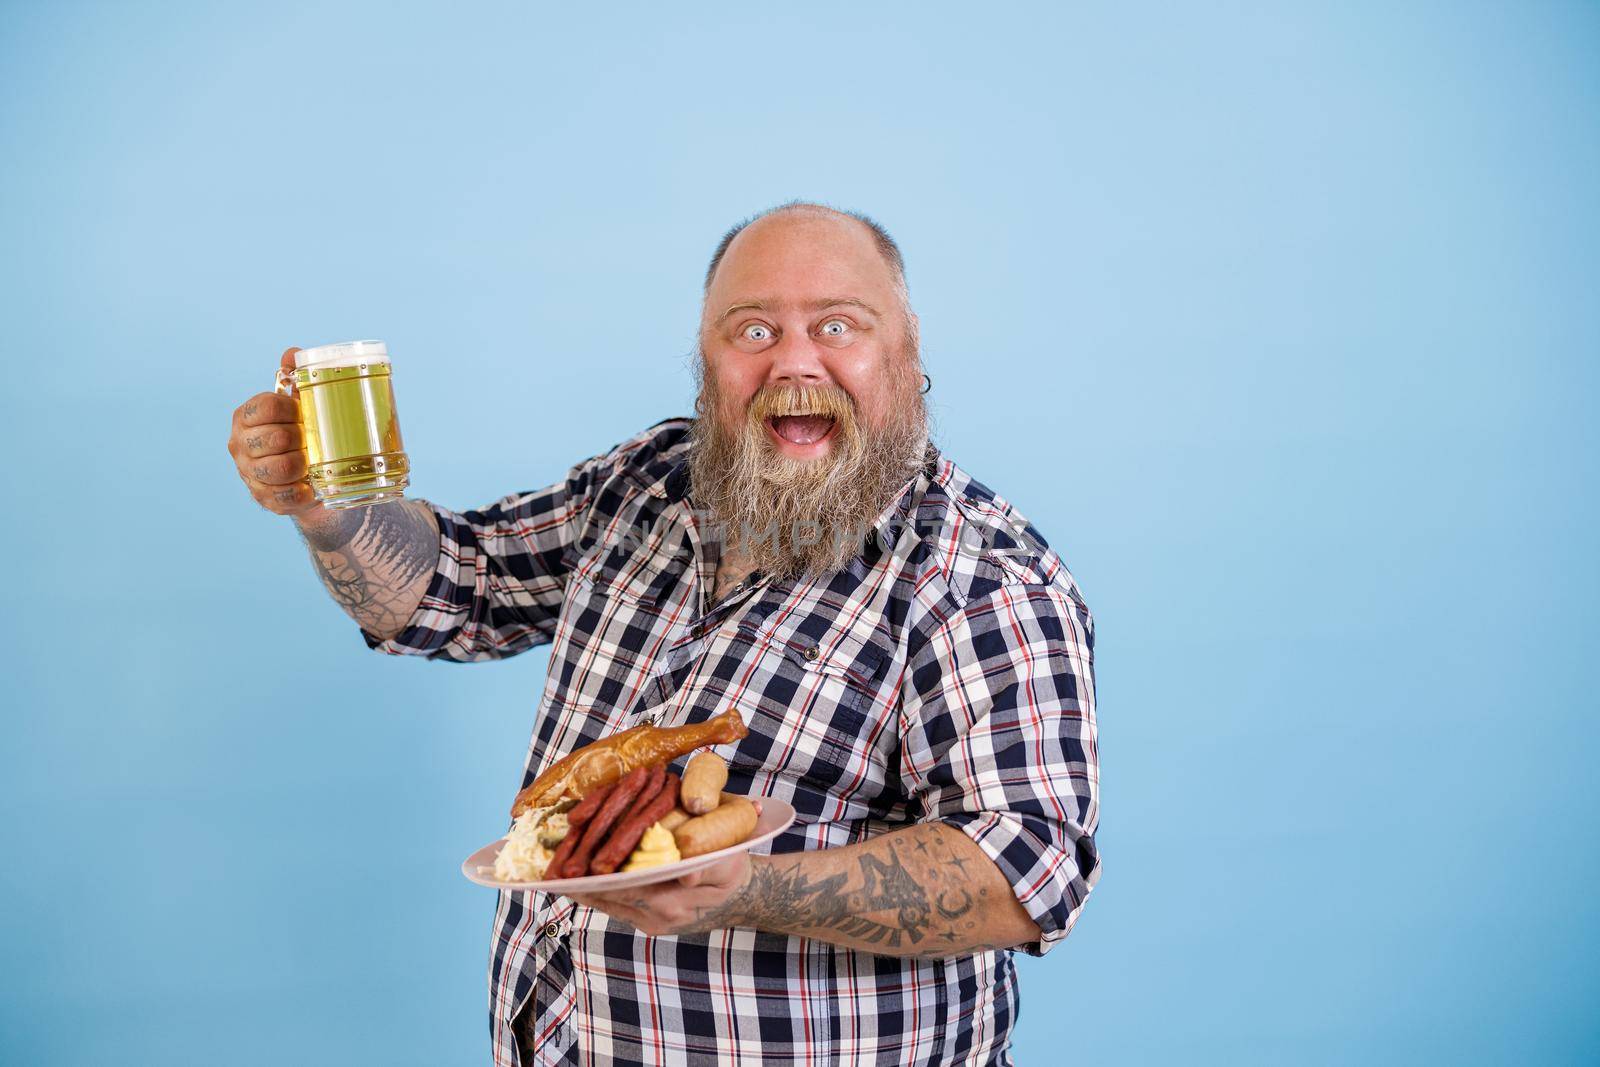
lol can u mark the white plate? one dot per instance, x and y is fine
(776, 817)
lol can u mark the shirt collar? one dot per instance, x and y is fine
(674, 485)
(885, 528)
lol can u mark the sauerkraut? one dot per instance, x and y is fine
(531, 843)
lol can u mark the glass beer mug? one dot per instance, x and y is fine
(354, 455)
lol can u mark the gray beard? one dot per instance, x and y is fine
(801, 518)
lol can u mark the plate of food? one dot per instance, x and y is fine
(612, 814)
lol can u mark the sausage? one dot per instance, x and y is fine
(563, 851)
(588, 806)
(729, 824)
(625, 838)
(703, 780)
(654, 785)
(589, 848)
(652, 789)
(595, 829)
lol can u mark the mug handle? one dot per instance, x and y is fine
(285, 383)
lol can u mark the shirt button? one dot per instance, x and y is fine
(813, 652)
(552, 929)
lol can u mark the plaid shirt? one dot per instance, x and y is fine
(945, 673)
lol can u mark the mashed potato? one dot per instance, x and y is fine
(531, 843)
(656, 849)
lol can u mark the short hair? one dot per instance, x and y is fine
(880, 237)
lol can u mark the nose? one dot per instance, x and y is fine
(797, 360)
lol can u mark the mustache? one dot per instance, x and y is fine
(776, 401)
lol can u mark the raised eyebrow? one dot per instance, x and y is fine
(748, 305)
(840, 301)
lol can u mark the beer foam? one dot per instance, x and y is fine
(343, 354)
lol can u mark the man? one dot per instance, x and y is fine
(913, 662)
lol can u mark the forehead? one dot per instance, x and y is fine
(799, 257)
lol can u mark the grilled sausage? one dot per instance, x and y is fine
(585, 809)
(625, 838)
(597, 827)
(562, 854)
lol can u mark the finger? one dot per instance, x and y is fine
(633, 898)
(266, 408)
(718, 875)
(286, 361)
(614, 908)
(284, 499)
(278, 470)
(632, 916)
(272, 440)
(278, 497)
(602, 900)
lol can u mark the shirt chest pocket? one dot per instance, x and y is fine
(640, 576)
(815, 697)
(620, 600)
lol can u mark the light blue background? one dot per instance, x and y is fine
(1279, 320)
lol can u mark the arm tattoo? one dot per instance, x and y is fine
(376, 561)
(915, 892)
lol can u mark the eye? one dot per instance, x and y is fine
(835, 328)
(757, 331)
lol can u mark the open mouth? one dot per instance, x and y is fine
(802, 429)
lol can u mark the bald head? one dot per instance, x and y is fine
(798, 210)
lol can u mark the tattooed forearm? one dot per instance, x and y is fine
(376, 561)
(924, 891)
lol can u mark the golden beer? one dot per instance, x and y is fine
(352, 433)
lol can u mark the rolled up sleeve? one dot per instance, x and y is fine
(500, 579)
(998, 740)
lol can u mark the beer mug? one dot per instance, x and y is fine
(354, 455)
